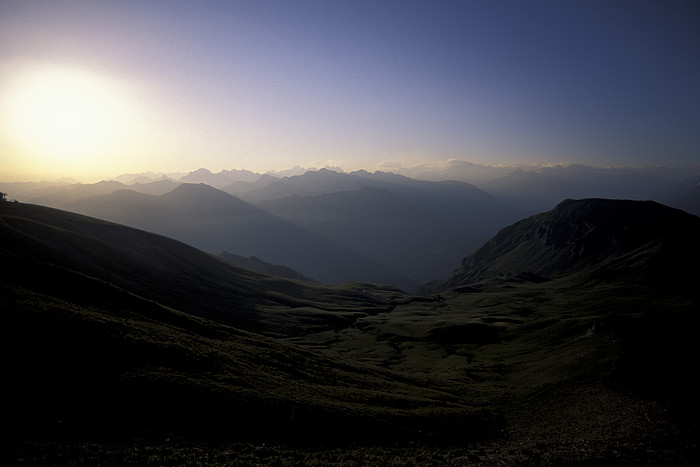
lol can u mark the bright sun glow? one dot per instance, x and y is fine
(67, 118)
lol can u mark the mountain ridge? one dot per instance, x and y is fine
(576, 235)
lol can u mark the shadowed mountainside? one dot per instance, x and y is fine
(640, 238)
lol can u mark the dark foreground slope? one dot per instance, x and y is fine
(111, 330)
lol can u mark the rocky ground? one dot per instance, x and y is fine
(597, 425)
(590, 425)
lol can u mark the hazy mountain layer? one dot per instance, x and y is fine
(62, 196)
(215, 221)
(220, 179)
(541, 189)
(417, 227)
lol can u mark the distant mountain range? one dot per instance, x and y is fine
(377, 227)
(221, 179)
(416, 227)
(541, 189)
(534, 188)
(331, 227)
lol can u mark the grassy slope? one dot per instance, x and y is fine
(520, 337)
(583, 371)
(141, 365)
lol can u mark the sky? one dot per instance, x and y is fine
(91, 89)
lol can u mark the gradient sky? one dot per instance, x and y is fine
(98, 88)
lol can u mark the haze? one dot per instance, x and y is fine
(93, 89)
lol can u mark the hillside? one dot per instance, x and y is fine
(120, 329)
(129, 345)
(161, 269)
(632, 238)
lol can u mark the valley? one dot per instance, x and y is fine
(567, 337)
